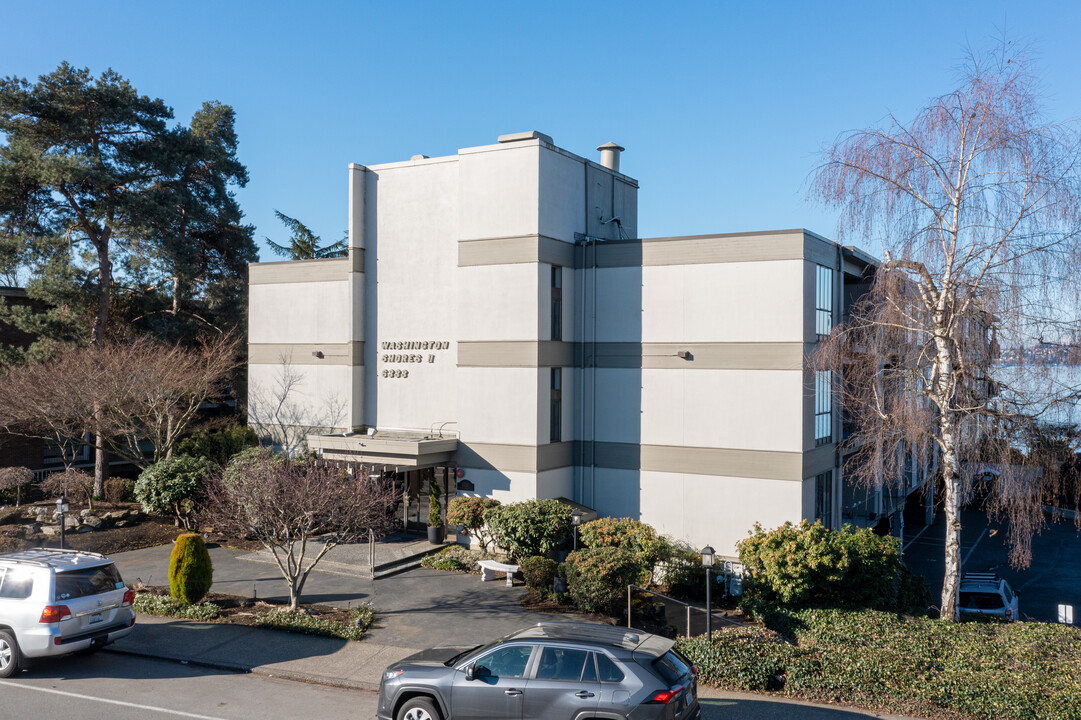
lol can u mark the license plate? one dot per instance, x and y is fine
(95, 618)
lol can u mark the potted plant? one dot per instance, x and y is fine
(435, 516)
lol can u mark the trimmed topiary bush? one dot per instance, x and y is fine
(172, 487)
(539, 572)
(468, 512)
(532, 527)
(598, 577)
(190, 571)
(810, 565)
(435, 508)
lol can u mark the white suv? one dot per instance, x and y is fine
(987, 594)
(55, 602)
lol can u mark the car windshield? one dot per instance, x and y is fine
(71, 584)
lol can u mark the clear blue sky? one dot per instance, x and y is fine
(722, 106)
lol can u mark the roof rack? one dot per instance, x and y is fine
(38, 556)
(981, 577)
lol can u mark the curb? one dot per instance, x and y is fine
(296, 676)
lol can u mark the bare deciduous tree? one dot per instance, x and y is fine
(129, 394)
(14, 478)
(975, 202)
(282, 416)
(299, 509)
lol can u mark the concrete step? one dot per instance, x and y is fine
(353, 560)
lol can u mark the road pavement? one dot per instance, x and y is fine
(1053, 578)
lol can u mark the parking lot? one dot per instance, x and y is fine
(1053, 578)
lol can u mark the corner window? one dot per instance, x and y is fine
(556, 406)
(823, 300)
(557, 302)
(823, 407)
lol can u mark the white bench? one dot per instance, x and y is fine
(488, 569)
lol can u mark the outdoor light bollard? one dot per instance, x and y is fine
(576, 520)
(62, 508)
(707, 563)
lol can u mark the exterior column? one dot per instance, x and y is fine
(358, 184)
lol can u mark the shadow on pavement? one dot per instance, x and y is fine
(104, 665)
(730, 709)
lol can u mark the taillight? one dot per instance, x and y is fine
(129, 597)
(665, 696)
(694, 670)
(54, 613)
(1009, 613)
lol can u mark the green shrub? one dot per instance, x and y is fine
(532, 527)
(172, 487)
(190, 571)
(119, 489)
(681, 572)
(453, 558)
(637, 538)
(218, 445)
(435, 508)
(903, 664)
(468, 512)
(598, 577)
(167, 606)
(298, 621)
(539, 573)
(805, 564)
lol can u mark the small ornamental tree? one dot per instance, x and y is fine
(190, 571)
(637, 538)
(598, 577)
(67, 482)
(13, 478)
(299, 509)
(532, 527)
(468, 512)
(172, 487)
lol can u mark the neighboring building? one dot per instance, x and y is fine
(497, 315)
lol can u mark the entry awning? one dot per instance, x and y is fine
(398, 448)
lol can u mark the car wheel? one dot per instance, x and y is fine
(419, 708)
(9, 654)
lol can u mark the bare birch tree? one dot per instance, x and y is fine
(299, 509)
(975, 202)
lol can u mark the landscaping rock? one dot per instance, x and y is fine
(50, 530)
(92, 522)
(122, 523)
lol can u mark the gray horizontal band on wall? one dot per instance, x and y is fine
(350, 353)
(514, 250)
(702, 356)
(725, 462)
(690, 250)
(302, 271)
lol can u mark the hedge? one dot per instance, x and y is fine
(532, 527)
(902, 664)
(637, 538)
(598, 577)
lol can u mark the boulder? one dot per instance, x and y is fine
(71, 523)
(50, 530)
(92, 522)
(122, 523)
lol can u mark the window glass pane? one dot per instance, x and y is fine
(589, 674)
(507, 662)
(562, 664)
(608, 670)
(72, 584)
(670, 666)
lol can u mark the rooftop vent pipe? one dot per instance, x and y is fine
(610, 155)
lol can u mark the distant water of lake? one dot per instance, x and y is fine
(1052, 390)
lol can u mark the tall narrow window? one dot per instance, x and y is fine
(823, 407)
(557, 302)
(824, 497)
(823, 300)
(556, 406)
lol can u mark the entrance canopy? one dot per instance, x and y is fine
(398, 448)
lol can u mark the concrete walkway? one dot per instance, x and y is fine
(414, 610)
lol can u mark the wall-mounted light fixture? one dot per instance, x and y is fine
(685, 354)
(317, 353)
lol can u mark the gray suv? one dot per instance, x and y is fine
(55, 602)
(554, 671)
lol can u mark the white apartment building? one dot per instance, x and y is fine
(498, 317)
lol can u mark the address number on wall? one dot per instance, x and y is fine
(395, 373)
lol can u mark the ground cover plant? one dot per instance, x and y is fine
(453, 558)
(916, 666)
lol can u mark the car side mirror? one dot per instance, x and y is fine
(470, 673)
(1017, 593)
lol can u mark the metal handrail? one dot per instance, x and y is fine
(688, 606)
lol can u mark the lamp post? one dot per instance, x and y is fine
(707, 563)
(62, 508)
(576, 520)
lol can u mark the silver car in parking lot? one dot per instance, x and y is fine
(55, 602)
(554, 671)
